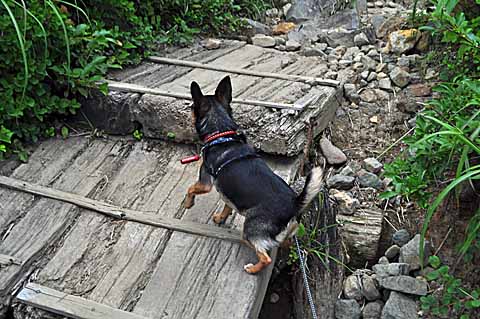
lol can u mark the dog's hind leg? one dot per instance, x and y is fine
(263, 261)
(202, 186)
(220, 218)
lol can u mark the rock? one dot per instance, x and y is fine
(272, 13)
(360, 39)
(347, 171)
(274, 298)
(423, 43)
(399, 306)
(389, 25)
(211, 44)
(383, 260)
(346, 203)
(286, 8)
(303, 10)
(369, 289)
(292, 45)
(263, 41)
(340, 182)
(309, 51)
(405, 284)
(283, 28)
(410, 253)
(367, 179)
(400, 77)
(401, 237)
(333, 154)
(385, 84)
(391, 4)
(381, 95)
(331, 75)
(377, 21)
(403, 40)
(372, 165)
(419, 90)
(372, 310)
(369, 63)
(392, 252)
(430, 74)
(374, 119)
(406, 103)
(368, 96)
(403, 62)
(364, 74)
(254, 27)
(347, 309)
(337, 37)
(352, 288)
(350, 90)
(280, 41)
(379, 4)
(381, 67)
(371, 77)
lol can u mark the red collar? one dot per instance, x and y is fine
(214, 136)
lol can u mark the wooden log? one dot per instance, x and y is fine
(57, 302)
(361, 233)
(122, 213)
(287, 77)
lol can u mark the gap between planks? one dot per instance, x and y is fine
(71, 306)
(123, 213)
(280, 76)
(134, 88)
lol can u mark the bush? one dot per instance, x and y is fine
(52, 51)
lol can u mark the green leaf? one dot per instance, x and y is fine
(301, 230)
(5, 135)
(434, 261)
(64, 132)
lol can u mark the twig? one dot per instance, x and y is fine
(395, 143)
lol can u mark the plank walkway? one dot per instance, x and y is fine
(68, 246)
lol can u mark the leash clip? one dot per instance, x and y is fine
(190, 159)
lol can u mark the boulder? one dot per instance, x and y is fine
(347, 309)
(399, 306)
(405, 284)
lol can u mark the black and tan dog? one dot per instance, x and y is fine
(243, 179)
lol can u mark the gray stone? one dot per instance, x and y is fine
(399, 306)
(346, 203)
(263, 41)
(347, 309)
(331, 75)
(352, 288)
(211, 44)
(405, 284)
(367, 179)
(347, 171)
(379, 4)
(381, 95)
(274, 298)
(368, 96)
(403, 40)
(369, 289)
(364, 74)
(361, 39)
(371, 77)
(372, 165)
(404, 62)
(392, 252)
(350, 90)
(392, 269)
(401, 237)
(321, 46)
(351, 53)
(309, 51)
(377, 21)
(383, 260)
(333, 154)
(292, 45)
(385, 84)
(254, 27)
(373, 53)
(286, 8)
(372, 310)
(410, 253)
(303, 10)
(280, 41)
(340, 182)
(381, 67)
(400, 77)
(369, 63)
(382, 75)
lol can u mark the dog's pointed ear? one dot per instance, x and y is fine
(223, 93)
(196, 92)
(200, 107)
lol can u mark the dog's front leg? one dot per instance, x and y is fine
(220, 218)
(263, 261)
(202, 186)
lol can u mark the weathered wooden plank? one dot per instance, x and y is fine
(68, 305)
(133, 88)
(287, 77)
(204, 277)
(122, 213)
(45, 221)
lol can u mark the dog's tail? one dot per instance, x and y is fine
(312, 187)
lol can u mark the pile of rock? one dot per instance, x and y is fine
(391, 288)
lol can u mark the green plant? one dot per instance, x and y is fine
(138, 135)
(451, 298)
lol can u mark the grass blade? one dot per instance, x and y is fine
(65, 33)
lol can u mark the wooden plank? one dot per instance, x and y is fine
(287, 77)
(133, 88)
(6, 260)
(122, 213)
(204, 277)
(68, 305)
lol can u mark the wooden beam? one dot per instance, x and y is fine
(123, 213)
(133, 88)
(6, 260)
(287, 77)
(70, 306)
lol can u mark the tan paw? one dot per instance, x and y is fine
(218, 218)
(249, 268)
(189, 202)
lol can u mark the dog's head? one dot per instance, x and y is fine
(212, 113)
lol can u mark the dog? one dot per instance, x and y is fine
(243, 179)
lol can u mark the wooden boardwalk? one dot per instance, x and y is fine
(95, 228)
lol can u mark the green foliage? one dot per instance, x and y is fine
(53, 51)
(138, 135)
(451, 299)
